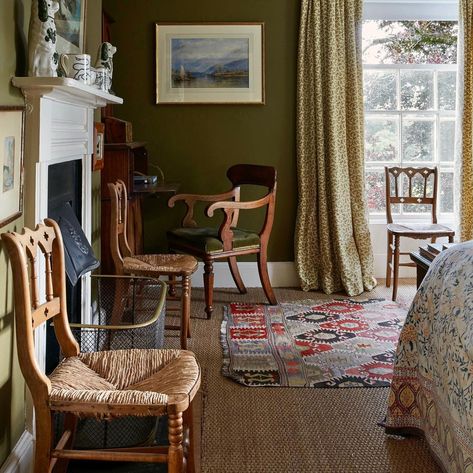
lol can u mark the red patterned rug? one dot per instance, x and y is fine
(340, 343)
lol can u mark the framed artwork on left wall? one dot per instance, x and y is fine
(11, 163)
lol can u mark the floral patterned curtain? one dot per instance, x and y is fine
(332, 241)
(464, 140)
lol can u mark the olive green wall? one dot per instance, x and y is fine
(14, 18)
(195, 144)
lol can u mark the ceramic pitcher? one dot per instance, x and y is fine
(77, 66)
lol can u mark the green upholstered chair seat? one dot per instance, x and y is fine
(207, 239)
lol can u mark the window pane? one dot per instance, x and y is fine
(447, 88)
(417, 90)
(381, 139)
(418, 140)
(410, 42)
(375, 191)
(446, 192)
(380, 90)
(447, 140)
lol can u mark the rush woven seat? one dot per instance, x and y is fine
(154, 381)
(414, 228)
(97, 384)
(155, 265)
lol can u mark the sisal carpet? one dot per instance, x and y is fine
(303, 430)
(340, 343)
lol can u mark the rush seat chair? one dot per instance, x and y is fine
(101, 384)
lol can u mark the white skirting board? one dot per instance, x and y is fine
(281, 273)
(20, 459)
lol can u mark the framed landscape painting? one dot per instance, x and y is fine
(210, 63)
(11, 161)
(70, 26)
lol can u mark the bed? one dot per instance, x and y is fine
(432, 389)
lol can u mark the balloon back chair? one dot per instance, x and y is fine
(101, 384)
(410, 186)
(228, 241)
(179, 268)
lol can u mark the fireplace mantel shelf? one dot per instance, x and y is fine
(65, 90)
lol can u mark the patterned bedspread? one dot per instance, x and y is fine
(432, 387)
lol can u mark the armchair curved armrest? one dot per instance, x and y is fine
(231, 210)
(229, 205)
(191, 199)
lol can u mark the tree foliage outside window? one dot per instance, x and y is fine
(410, 96)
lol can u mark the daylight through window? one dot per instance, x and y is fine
(409, 94)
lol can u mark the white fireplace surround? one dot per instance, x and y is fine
(59, 127)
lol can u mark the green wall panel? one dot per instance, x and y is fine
(14, 18)
(195, 144)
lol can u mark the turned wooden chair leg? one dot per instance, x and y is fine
(450, 239)
(189, 422)
(208, 287)
(175, 453)
(232, 263)
(389, 259)
(396, 266)
(185, 310)
(264, 276)
(44, 435)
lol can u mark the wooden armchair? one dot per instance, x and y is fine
(228, 241)
(397, 193)
(101, 385)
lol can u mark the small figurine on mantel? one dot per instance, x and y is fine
(42, 54)
(104, 66)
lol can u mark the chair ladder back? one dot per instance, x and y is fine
(119, 246)
(408, 197)
(30, 312)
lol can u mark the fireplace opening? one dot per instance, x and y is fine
(64, 186)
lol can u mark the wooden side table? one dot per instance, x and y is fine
(422, 265)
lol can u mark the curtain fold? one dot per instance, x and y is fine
(464, 128)
(332, 241)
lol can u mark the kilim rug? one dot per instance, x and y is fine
(338, 343)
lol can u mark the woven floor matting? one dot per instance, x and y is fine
(304, 430)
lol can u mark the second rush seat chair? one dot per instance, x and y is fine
(228, 241)
(125, 262)
(100, 384)
(416, 192)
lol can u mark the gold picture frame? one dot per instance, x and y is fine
(70, 26)
(12, 120)
(210, 63)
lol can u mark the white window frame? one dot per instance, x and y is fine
(411, 10)
(446, 10)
